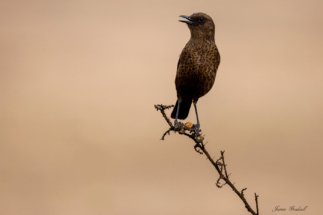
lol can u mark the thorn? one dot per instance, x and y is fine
(243, 190)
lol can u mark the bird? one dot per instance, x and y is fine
(197, 66)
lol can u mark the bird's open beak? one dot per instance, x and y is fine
(188, 21)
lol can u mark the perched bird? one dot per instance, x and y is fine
(197, 66)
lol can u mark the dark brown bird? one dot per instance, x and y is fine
(197, 66)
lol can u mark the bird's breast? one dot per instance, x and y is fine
(197, 70)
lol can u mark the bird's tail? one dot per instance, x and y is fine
(184, 109)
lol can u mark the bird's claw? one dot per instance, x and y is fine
(196, 127)
(177, 125)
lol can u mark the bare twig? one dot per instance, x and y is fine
(242, 191)
(167, 132)
(162, 109)
(225, 168)
(256, 197)
(219, 164)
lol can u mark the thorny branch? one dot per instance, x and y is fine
(190, 131)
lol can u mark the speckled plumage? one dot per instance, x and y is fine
(197, 65)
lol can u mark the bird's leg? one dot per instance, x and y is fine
(176, 123)
(198, 122)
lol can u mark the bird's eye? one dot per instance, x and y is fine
(201, 19)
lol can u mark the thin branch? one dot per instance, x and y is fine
(227, 181)
(256, 197)
(162, 109)
(225, 168)
(167, 132)
(200, 148)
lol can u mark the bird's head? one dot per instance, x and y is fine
(201, 25)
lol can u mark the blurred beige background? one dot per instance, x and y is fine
(80, 135)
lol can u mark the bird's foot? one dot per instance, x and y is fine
(196, 127)
(177, 125)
